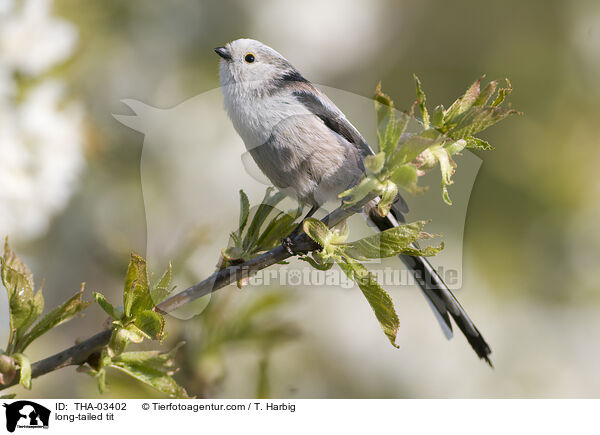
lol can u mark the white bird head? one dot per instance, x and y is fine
(250, 65)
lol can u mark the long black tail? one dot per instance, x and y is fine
(436, 291)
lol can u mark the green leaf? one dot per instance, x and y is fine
(389, 243)
(136, 297)
(382, 102)
(455, 147)
(405, 176)
(414, 145)
(151, 323)
(25, 306)
(8, 396)
(122, 336)
(37, 306)
(317, 231)
(478, 119)
(329, 240)
(25, 369)
(428, 251)
(339, 233)
(316, 261)
(447, 166)
(244, 211)
(102, 381)
(421, 100)
(279, 227)
(385, 244)
(438, 117)
(107, 306)
(56, 317)
(503, 93)
(152, 368)
(163, 288)
(475, 143)
(118, 342)
(388, 129)
(463, 103)
(388, 196)
(374, 164)
(486, 94)
(357, 193)
(262, 212)
(16, 276)
(134, 334)
(378, 299)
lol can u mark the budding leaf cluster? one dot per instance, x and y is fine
(132, 323)
(25, 307)
(404, 157)
(258, 235)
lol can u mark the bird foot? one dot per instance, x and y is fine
(289, 245)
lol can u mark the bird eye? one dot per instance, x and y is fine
(249, 58)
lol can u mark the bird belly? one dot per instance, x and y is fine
(297, 152)
(306, 160)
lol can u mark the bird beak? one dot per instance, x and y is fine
(223, 52)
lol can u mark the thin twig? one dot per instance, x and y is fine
(81, 352)
(221, 278)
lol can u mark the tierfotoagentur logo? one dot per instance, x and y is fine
(24, 414)
(306, 276)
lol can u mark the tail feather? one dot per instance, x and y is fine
(446, 303)
(441, 299)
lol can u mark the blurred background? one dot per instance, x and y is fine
(72, 200)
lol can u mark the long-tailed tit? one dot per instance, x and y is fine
(307, 148)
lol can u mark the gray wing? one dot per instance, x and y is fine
(320, 105)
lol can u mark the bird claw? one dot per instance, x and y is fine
(289, 245)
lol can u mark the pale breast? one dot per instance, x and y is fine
(255, 119)
(294, 148)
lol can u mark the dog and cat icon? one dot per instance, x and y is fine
(26, 414)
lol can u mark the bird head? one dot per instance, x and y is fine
(251, 65)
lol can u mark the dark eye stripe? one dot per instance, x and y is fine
(249, 58)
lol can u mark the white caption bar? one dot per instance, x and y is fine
(300, 416)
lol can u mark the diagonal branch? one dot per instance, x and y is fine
(81, 352)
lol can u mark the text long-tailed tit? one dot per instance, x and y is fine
(308, 149)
